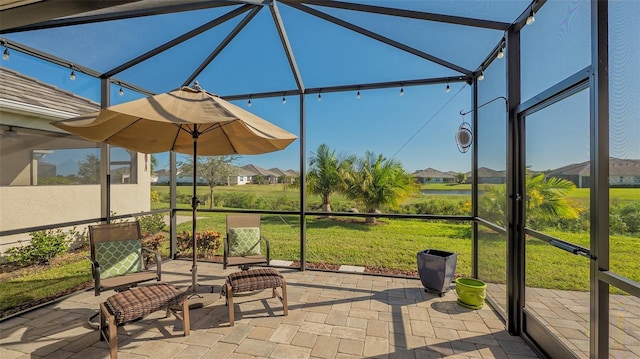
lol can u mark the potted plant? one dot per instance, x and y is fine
(471, 292)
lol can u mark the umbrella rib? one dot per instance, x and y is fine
(125, 127)
(220, 125)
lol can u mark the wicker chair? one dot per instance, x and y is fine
(244, 242)
(116, 257)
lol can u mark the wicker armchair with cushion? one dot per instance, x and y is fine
(244, 244)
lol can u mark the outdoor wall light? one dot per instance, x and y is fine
(10, 133)
(448, 88)
(6, 55)
(481, 76)
(531, 19)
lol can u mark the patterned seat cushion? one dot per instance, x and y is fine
(119, 258)
(244, 241)
(138, 302)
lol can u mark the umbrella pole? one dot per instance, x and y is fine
(194, 206)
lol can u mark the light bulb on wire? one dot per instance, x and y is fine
(447, 89)
(6, 55)
(284, 100)
(481, 76)
(319, 97)
(402, 91)
(72, 76)
(500, 54)
(358, 95)
(249, 103)
(121, 91)
(531, 19)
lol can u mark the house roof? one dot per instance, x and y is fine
(240, 171)
(617, 167)
(258, 170)
(431, 172)
(286, 173)
(18, 91)
(484, 172)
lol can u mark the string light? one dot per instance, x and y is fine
(402, 90)
(319, 96)
(500, 54)
(72, 76)
(249, 102)
(358, 95)
(121, 91)
(481, 76)
(448, 88)
(531, 19)
(6, 55)
(284, 99)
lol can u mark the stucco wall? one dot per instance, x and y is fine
(31, 206)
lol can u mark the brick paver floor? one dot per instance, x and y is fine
(331, 315)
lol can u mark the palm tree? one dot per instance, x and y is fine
(376, 181)
(546, 201)
(324, 176)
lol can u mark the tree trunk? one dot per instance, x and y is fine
(326, 207)
(211, 197)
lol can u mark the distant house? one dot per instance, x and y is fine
(48, 176)
(431, 175)
(287, 176)
(487, 175)
(622, 173)
(240, 176)
(261, 175)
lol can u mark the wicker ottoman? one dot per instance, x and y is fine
(136, 303)
(254, 279)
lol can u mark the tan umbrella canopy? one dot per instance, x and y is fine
(170, 122)
(188, 120)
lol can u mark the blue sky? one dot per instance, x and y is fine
(416, 128)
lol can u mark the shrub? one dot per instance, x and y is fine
(151, 223)
(155, 196)
(43, 247)
(152, 242)
(236, 200)
(207, 242)
(630, 215)
(438, 206)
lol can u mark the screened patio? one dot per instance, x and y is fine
(544, 86)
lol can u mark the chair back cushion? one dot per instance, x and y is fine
(119, 257)
(244, 241)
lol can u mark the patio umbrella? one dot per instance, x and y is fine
(187, 120)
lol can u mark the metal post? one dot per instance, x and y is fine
(105, 158)
(599, 144)
(303, 186)
(173, 223)
(474, 184)
(194, 207)
(515, 189)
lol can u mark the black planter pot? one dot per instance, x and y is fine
(436, 269)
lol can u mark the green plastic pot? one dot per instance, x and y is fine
(471, 292)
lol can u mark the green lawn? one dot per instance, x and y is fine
(391, 244)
